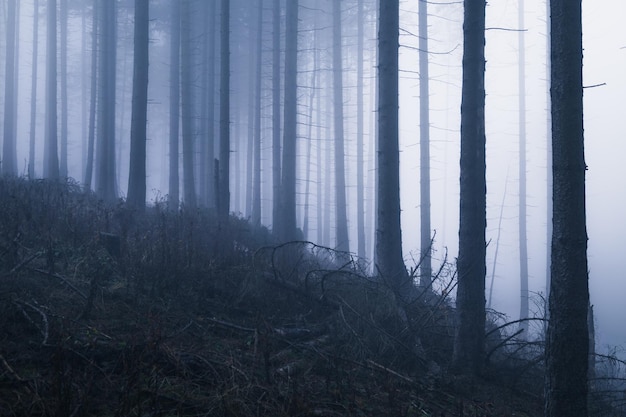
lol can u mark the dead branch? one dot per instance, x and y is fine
(62, 279)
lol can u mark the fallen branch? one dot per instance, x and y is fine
(63, 279)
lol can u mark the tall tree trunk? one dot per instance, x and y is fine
(548, 170)
(288, 183)
(51, 155)
(470, 301)
(390, 263)
(9, 151)
(276, 145)
(341, 218)
(210, 156)
(223, 206)
(256, 188)
(425, 230)
(189, 186)
(105, 167)
(139, 117)
(174, 194)
(64, 130)
(567, 345)
(93, 93)
(360, 175)
(33, 93)
(523, 248)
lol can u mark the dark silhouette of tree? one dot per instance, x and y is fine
(63, 85)
(189, 186)
(93, 98)
(341, 218)
(174, 195)
(33, 92)
(567, 344)
(137, 171)
(288, 181)
(470, 300)
(523, 244)
(105, 163)
(276, 145)
(51, 155)
(425, 232)
(389, 259)
(9, 151)
(223, 200)
(256, 186)
(360, 177)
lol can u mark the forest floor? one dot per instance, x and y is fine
(110, 312)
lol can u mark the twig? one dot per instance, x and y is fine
(23, 263)
(390, 371)
(63, 279)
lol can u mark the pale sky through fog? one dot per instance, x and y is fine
(604, 42)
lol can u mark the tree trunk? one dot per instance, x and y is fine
(174, 194)
(425, 229)
(189, 186)
(9, 151)
(567, 345)
(470, 301)
(139, 117)
(223, 207)
(288, 183)
(106, 174)
(256, 187)
(360, 175)
(276, 145)
(33, 93)
(64, 130)
(390, 263)
(523, 248)
(341, 218)
(93, 97)
(51, 156)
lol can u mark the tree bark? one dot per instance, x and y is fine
(470, 301)
(139, 117)
(187, 99)
(360, 175)
(51, 156)
(174, 180)
(567, 344)
(9, 151)
(93, 97)
(33, 93)
(64, 130)
(256, 187)
(223, 206)
(276, 145)
(390, 263)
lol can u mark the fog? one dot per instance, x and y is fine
(604, 120)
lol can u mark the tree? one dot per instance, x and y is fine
(567, 343)
(93, 97)
(360, 177)
(470, 299)
(50, 155)
(189, 186)
(276, 146)
(288, 180)
(105, 167)
(223, 192)
(341, 218)
(256, 186)
(9, 152)
(137, 171)
(425, 232)
(523, 246)
(33, 93)
(389, 259)
(174, 195)
(63, 55)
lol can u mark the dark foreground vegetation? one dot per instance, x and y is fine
(113, 312)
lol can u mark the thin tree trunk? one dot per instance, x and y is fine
(223, 206)
(174, 194)
(93, 97)
(567, 344)
(33, 93)
(256, 188)
(341, 218)
(276, 145)
(360, 175)
(189, 187)
(139, 117)
(425, 228)
(64, 130)
(51, 156)
(210, 156)
(9, 151)
(470, 332)
(523, 249)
